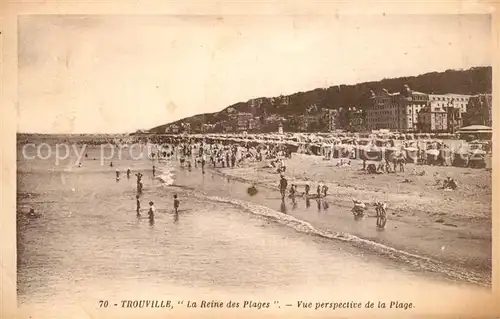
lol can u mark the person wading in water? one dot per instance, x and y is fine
(151, 212)
(283, 186)
(203, 161)
(176, 208)
(138, 206)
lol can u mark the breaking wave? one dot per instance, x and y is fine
(166, 175)
(417, 261)
(420, 262)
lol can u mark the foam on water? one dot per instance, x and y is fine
(167, 177)
(167, 174)
(420, 262)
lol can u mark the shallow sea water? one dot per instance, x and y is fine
(89, 245)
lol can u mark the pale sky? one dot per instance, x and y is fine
(111, 74)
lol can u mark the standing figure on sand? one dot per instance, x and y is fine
(380, 209)
(283, 185)
(203, 162)
(138, 205)
(176, 208)
(151, 211)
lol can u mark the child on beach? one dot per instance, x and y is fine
(176, 204)
(307, 189)
(151, 212)
(154, 171)
(138, 205)
(128, 172)
(117, 174)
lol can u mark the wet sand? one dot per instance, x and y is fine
(452, 227)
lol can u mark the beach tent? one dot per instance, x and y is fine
(432, 156)
(480, 144)
(461, 158)
(370, 153)
(391, 153)
(411, 153)
(477, 158)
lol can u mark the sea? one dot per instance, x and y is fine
(86, 245)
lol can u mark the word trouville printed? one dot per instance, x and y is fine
(248, 304)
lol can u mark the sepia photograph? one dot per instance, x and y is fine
(258, 164)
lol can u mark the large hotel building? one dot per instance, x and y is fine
(412, 111)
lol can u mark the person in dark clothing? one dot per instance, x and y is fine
(283, 186)
(292, 192)
(138, 205)
(325, 190)
(233, 159)
(203, 163)
(176, 204)
(151, 212)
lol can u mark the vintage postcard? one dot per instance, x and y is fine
(249, 160)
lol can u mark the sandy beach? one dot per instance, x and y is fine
(207, 245)
(452, 227)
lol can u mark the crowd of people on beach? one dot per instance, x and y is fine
(192, 153)
(139, 189)
(230, 155)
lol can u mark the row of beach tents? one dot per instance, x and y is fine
(372, 148)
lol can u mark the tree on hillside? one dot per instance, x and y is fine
(473, 81)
